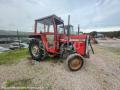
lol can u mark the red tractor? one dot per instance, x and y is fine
(49, 39)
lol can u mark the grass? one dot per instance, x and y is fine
(25, 84)
(19, 83)
(17, 55)
(14, 56)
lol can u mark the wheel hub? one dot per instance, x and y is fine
(35, 50)
(76, 63)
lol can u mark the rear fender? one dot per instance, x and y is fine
(35, 37)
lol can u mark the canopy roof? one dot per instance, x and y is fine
(47, 20)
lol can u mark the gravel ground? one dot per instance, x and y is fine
(100, 72)
(110, 43)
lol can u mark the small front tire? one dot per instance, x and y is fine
(74, 62)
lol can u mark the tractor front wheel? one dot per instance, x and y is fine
(75, 62)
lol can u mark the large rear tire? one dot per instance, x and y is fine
(36, 49)
(74, 62)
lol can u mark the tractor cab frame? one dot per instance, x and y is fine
(47, 29)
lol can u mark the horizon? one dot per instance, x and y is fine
(84, 30)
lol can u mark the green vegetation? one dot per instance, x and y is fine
(109, 34)
(25, 84)
(14, 56)
(112, 34)
(19, 83)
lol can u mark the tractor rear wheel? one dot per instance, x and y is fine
(75, 62)
(36, 49)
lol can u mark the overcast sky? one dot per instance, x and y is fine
(88, 13)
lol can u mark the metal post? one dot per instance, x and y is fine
(35, 27)
(68, 30)
(78, 29)
(18, 38)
